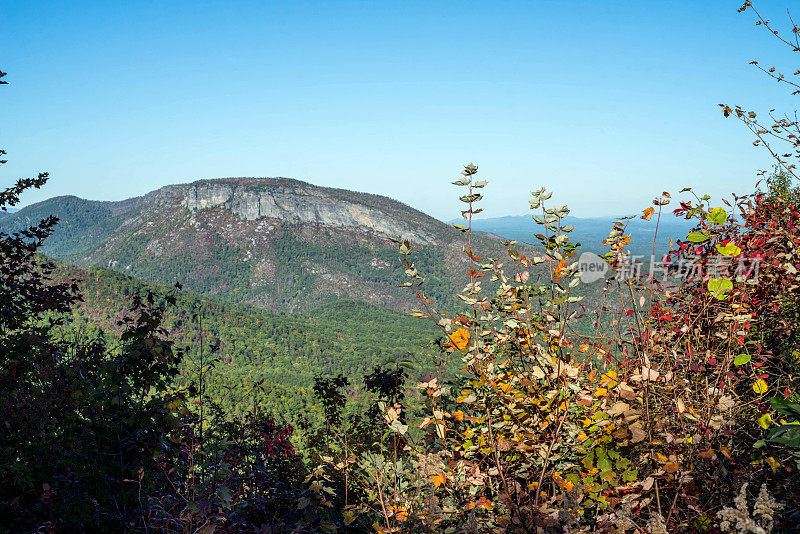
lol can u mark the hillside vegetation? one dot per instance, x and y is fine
(260, 359)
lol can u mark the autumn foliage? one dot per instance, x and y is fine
(682, 392)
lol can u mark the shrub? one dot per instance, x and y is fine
(653, 420)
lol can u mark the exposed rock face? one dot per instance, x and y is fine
(297, 203)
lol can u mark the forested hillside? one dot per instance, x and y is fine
(261, 359)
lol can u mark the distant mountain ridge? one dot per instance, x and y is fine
(591, 231)
(276, 243)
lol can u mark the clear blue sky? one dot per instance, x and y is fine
(607, 103)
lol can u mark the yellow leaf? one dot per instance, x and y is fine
(458, 415)
(601, 392)
(729, 250)
(764, 421)
(773, 463)
(609, 379)
(348, 516)
(438, 480)
(460, 338)
(760, 387)
(646, 214)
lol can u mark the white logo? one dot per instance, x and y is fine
(592, 267)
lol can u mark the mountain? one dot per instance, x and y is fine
(7, 212)
(274, 243)
(591, 232)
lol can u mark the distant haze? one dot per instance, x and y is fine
(590, 232)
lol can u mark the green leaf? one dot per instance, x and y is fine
(741, 359)
(786, 407)
(729, 250)
(398, 427)
(786, 434)
(719, 286)
(697, 237)
(765, 421)
(718, 216)
(225, 496)
(604, 464)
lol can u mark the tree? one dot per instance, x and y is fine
(780, 134)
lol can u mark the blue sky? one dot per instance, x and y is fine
(606, 103)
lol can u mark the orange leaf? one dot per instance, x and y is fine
(400, 512)
(438, 480)
(561, 266)
(460, 338)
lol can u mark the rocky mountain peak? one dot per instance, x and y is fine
(298, 203)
